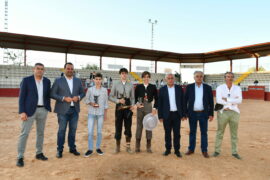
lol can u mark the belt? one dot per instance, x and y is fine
(198, 111)
(38, 106)
(173, 111)
(72, 106)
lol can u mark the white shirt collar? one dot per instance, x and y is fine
(40, 80)
(198, 86)
(170, 87)
(68, 78)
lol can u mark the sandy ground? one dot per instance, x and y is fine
(254, 147)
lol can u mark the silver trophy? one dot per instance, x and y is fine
(140, 101)
(145, 97)
(123, 106)
(96, 101)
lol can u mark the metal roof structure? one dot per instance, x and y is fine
(39, 43)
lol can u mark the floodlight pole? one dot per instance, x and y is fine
(152, 41)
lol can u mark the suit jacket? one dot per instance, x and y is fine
(60, 89)
(28, 98)
(164, 103)
(151, 91)
(208, 100)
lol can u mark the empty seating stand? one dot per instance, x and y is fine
(11, 76)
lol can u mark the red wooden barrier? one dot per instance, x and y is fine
(9, 92)
(256, 92)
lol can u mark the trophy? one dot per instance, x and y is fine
(140, 101)
(96, 101)
(123, 106)
(145, 97)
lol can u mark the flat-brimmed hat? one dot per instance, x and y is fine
(150, 121)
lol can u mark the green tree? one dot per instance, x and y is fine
(252, 69)
(15, 57)
(91, 67)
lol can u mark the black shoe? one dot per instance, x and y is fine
(88, 153)
(20, 162)
(99, 152)
(216, 154)
(41, 157)
(75, 152)
(178, 154)
(59, 154)
(166, 153)
(237, 156)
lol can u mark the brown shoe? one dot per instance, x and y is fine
(189, 152)
(205, 154)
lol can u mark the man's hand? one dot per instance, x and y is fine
(75, 99)
(225, 99)
(91, 104)
(161, 120)
(183, 119)
(211, 118)
(122, 101)
(154, 111)
(139, 105)
(132, 107)
(24, 116)
(67, 99)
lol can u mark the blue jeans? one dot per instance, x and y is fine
(202, 117)
(71, 118)
(91, 122)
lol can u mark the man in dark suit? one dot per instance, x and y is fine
(34, 104)
(200, 107)
(171, 111)
(67, 91)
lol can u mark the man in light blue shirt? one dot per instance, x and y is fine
(200, 107)
(97, 99)
(198, 104)
(171, 91)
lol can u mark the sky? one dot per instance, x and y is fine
(183, 26)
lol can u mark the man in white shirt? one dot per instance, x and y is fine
(171, 110)
(34, 105)
(68, 92)
(229, 95)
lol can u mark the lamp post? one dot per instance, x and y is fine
(154, 22)
(152, 31)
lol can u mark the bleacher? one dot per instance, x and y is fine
(263, 78)
(11, 76)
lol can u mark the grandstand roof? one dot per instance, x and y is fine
(30, 42)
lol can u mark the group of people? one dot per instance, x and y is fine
(106, 82)
(170, 103)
